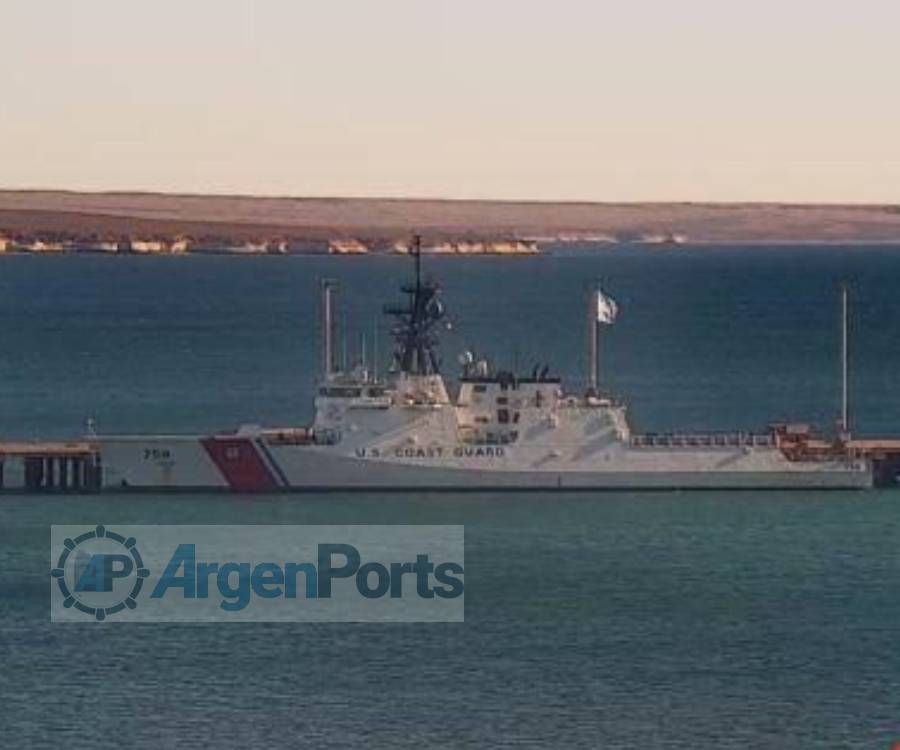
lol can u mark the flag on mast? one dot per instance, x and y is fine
(607, 309)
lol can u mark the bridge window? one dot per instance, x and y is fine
(340, 392)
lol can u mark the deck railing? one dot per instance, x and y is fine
(703, 440)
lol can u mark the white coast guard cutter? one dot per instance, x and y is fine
(496, 431)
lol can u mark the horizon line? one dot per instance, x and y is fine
(446, 199)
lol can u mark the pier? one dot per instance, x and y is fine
(50, 467)
(884, 453)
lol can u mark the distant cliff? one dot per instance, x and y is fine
(46, 222)
(50, 243)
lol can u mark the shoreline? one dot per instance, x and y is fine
(51, 222)
(551, 250)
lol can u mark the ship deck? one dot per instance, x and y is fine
(44, 448)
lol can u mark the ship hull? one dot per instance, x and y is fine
(252, 465)
(325, 472)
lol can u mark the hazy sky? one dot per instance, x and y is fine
(573, 99)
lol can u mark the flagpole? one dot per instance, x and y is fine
(597, 352)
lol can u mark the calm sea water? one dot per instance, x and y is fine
(727, 620)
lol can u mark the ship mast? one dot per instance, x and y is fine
(415, 351)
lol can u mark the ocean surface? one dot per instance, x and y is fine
(617, 620)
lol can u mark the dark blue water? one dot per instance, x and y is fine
(686, 620)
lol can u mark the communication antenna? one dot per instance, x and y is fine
(343, 344)
(375, 352)
(329, 286)
(417, 254)
(845, 416)
(362, 352)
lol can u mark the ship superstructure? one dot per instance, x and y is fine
(499, 430)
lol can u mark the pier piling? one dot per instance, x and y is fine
(47, 467)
